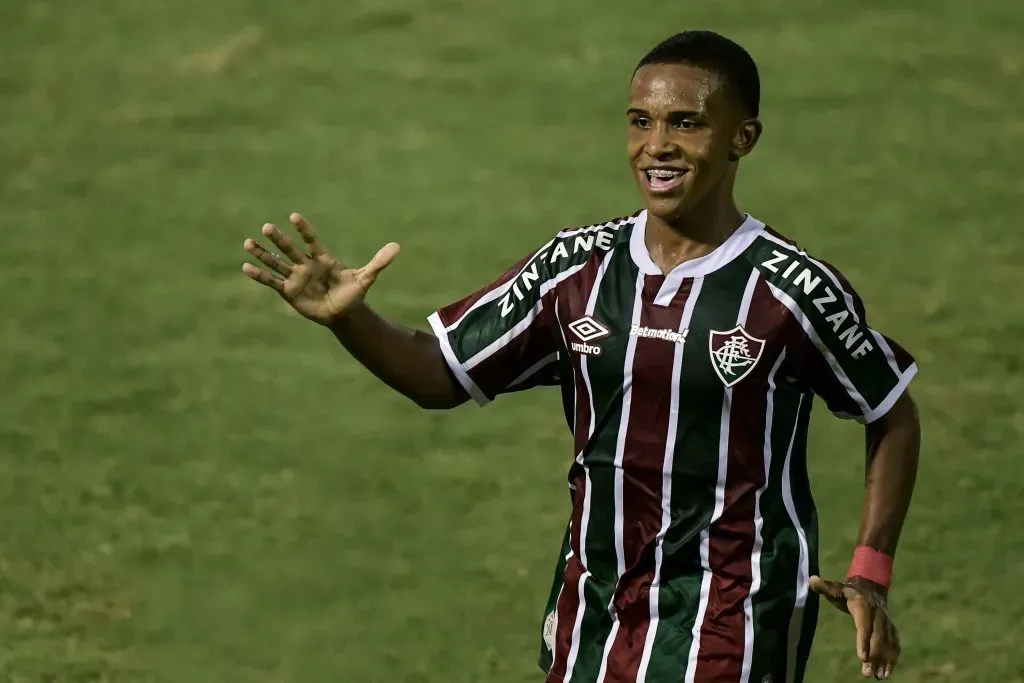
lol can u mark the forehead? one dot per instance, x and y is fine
(676, 87)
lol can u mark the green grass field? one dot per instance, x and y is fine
(196, 486)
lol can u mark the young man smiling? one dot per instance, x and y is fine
(688, 340)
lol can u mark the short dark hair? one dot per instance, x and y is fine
(714, 52)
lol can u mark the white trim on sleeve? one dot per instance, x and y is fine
(458, 368)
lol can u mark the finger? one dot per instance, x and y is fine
(284, 243)
(270, 260)
(822, 587)
(830, 590)
(308, 234)
(263, 277)
(880, 644)
(894, 650)
(367, 275)
(862, 619)
(890, 666)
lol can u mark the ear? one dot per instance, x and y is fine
(747, 135)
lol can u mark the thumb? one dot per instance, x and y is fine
(829, 589)
(383, 258)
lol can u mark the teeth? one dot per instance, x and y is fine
(663, 173)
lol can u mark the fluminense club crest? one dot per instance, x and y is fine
(734, 354)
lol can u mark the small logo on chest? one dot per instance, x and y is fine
(587, 329)
(658, 333)
(734, 354)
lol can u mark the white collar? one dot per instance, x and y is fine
(724, 253)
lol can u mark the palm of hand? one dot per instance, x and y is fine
(316, 284)
(322, 288)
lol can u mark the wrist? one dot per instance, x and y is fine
(340, 321)
(871, 564)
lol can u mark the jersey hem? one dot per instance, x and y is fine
(894, 395)
(454, 364)
(550, 678)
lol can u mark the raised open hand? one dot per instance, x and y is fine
(316, 284)
(878, 641)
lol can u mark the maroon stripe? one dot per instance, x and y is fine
(572, 305)
(643, 462)
(567, 607)
(903, 358)
(723, 632)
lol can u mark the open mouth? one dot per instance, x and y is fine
(663, 179)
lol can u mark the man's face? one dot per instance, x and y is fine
(683, 130)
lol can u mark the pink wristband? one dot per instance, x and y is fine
(872, 565)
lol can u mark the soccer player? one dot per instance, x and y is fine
(688, 340)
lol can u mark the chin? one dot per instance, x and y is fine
(666, 208)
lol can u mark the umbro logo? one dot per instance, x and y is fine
(586, 329)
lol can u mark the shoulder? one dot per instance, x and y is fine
(598, 237)
(566, 254)
(816, 286)
(573, 247)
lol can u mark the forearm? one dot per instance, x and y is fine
(409, 361)
(893, 449)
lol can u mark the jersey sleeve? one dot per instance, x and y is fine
(504, 337)
(856, 370)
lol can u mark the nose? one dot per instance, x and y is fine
(659, 143)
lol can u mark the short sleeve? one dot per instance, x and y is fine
(856, 370)
(503, 338)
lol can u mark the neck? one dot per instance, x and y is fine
(699, 231)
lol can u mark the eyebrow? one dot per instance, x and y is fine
(672, 114)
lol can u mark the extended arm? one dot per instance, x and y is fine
(407, 360)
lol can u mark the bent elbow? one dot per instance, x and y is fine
(437, 402)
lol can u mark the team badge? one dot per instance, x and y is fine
(734, 354)
(550, 628)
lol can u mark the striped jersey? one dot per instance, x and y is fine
(693, 530)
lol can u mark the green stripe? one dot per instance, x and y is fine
(780, 551)
(695, 470)
(808, 516)
(613, 307)
(803, 498)
(807, 631)
(546, 656)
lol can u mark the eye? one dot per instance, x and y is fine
(641, 122)
(687, 124)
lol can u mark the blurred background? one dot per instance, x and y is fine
(197, 486)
